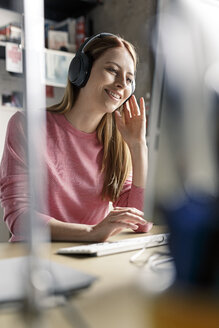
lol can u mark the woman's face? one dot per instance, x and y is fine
(110, 81)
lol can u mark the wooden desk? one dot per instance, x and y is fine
(117, 299)
(114, 300)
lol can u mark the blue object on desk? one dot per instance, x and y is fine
(194, 240)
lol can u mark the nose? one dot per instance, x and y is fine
(121, 81)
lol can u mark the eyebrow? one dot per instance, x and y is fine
(111, 62)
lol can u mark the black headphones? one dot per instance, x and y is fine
(81, 64)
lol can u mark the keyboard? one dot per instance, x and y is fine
(125, 245)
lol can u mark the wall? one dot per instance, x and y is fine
(132, 20)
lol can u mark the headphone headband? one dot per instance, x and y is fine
(90, 39)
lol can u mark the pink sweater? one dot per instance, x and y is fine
(73, 162)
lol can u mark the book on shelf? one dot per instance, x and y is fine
(14, 58)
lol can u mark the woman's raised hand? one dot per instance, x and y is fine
(118, 219)
(133, 126)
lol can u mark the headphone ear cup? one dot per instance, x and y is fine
(87, 62)
(79, 69)
(74, 69)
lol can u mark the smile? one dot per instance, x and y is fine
(113, 95)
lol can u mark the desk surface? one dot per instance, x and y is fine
(119, 298)
(114, 300)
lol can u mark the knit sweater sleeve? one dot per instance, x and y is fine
(14, 194)
(131, 196)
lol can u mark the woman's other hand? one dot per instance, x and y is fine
(118, 219)
(133, 126)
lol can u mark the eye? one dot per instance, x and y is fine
(129, 80)
(112, 70)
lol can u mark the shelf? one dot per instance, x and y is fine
(57, 63)
(59, 10)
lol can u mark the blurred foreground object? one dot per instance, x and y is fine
(186, 187)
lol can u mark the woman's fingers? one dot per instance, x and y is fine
(126, 113)
(130, 209)
(145, 228)
(118, 219)
(134, 108)
(120, 224)
(129, 215)
(132, 124)
(119, 119)
(142, 107)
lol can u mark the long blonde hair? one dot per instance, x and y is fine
(116, 157)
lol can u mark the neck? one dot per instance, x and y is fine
(84, 118)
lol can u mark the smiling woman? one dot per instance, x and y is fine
(96, 150)
(109, 84)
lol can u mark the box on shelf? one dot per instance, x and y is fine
(68, 25)
(11, 32)
(68, 34)
(57, 40)
(61, 35)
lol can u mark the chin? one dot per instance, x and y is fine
(111, 108)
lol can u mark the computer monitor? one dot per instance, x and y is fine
(182, 130)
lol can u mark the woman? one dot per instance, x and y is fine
(91, 136)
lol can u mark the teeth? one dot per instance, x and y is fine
(114, 95)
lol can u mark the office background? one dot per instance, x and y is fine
(131, 19)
